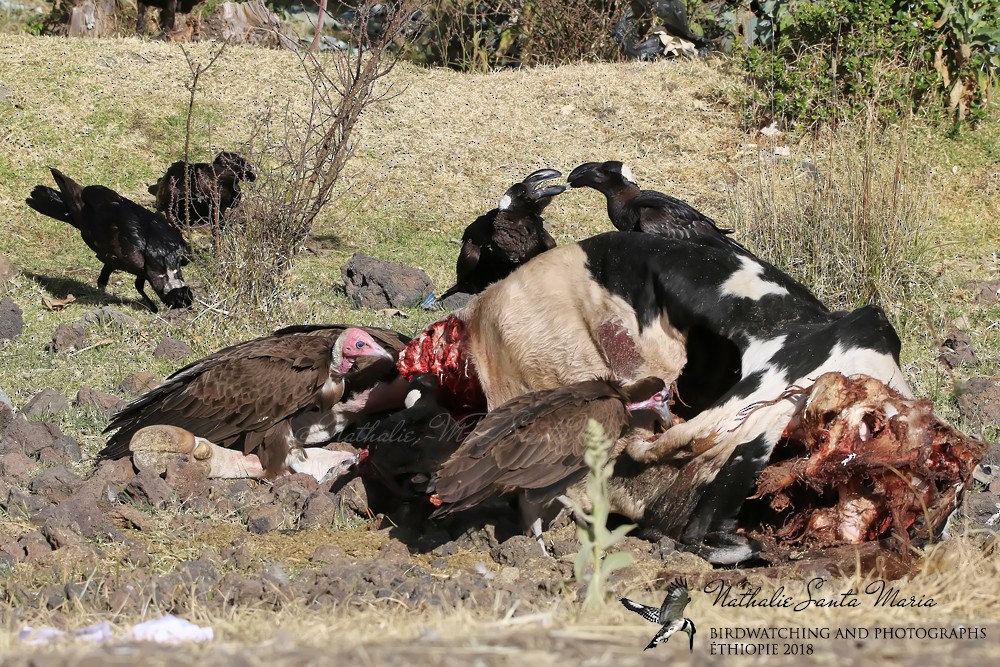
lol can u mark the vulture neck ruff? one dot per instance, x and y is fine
(443, 350)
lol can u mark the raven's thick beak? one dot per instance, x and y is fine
(582, 176)
(541, 176)
(659, 403)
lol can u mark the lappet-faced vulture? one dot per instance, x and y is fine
(260, 408)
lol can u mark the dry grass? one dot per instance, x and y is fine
(426, 164)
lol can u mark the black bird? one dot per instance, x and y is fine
(670, 615)
(632, 209)
(168, 12)
(498, 242)
(209, 185)
(404, 448)
(124, 235)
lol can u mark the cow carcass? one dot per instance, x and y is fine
(746, 346)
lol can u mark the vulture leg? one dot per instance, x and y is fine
(154, 447)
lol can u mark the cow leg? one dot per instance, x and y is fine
(139, 283)
(711, 530)
(155, 447)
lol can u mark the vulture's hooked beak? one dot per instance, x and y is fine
(658, 403)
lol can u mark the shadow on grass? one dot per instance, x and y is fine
(62, 286)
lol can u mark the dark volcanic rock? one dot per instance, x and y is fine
(67, 337)
(17, 467)
(36, 547)
(376, 283)
(46, 403)
(46, 442)
(98, 400)
(957, 350)
(139, 383)
(172, 349)
(149, 488)
(455, 301)
(320, 510)
(979, 400)
(55, 484)
(264, 519)
(517, 550)
(7, 411)
(7, 269)
(11, 320)
(353, 497)
(189, 479)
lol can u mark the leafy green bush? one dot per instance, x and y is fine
(817, 61)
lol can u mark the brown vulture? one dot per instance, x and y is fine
(124, 235)
(632, 209)
(253, 408)
(498, 242)
(534, 444)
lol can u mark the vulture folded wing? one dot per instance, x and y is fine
(534, 442)
(228, 397)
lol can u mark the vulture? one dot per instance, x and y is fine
(632, 209)
(735, 333)
(210, 187)
(534, 444)
(498, 242)
(253, 408)
(124, 235)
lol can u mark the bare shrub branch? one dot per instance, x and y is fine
(299, 153)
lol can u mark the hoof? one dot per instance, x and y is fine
(155, 447)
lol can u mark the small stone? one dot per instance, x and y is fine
(7, 269)
(320, 511)
(55, 484)
(172, 349)
(326, 554)
(394, 552)
(517, 550)
(29, 437)
(987, 292)
(149, 488)
(264, 519)
(108, 404)
(292, 491)
(455, 301)
(139, 383)
(665, 547)
(46, 403)
(67, 337)
(7, 411)
(17, 467)
(189, 479)
(354, 497)
(128, 516)
(108, 315)
(11, 319)
(957, 350)
(61, 533)
(36, 547)
(979, 400)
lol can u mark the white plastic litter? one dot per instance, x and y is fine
(164, 630)
(91, 633)
(169, 630)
